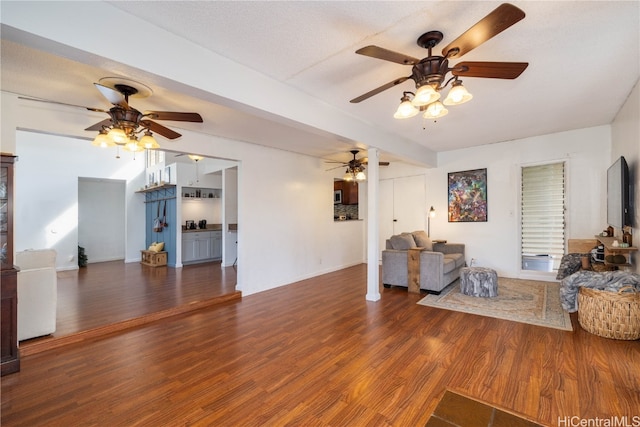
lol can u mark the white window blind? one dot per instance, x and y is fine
(543, 198)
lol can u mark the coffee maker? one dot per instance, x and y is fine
(202, 224)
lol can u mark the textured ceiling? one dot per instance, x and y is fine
(584, 60)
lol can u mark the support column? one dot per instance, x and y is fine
(373, 225)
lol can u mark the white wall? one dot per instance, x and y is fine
(46, 203)
(285, 208)
(101, 218)
(496, 243)
(230, 216)
(286, 229)
(625, 138)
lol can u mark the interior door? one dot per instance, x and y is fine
(409, 204)
(402, 207)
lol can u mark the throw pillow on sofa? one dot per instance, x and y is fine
(402, 242)
(422, 240)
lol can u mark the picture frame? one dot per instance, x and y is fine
(467, 196)
(337, 197)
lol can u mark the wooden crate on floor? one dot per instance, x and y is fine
(154, 259)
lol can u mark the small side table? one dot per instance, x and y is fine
(413, 270)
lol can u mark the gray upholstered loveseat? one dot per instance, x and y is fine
(440, 263)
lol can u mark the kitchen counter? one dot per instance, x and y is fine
(210, 227)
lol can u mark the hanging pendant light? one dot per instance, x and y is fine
(196, 159)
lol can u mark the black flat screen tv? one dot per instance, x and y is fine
(618, 194)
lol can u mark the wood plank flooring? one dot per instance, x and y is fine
(106, 292)
(316, 353)
(111, 296)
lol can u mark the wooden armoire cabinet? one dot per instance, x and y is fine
(10, 357)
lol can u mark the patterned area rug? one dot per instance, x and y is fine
(524, 301)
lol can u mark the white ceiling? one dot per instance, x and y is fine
(584, 60)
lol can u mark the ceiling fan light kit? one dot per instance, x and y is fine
(117, 135)
(430, 74)
(125, 124)
(103, 140)
(406, 108)
(457, 95)
(355, 169)
(425, 95)
(148, 142)
(435, 111)
(354, 174)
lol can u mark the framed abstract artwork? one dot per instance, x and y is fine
(467, 197)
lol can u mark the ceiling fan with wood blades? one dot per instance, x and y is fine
(125, 124)
(355, 168)
(430, 73)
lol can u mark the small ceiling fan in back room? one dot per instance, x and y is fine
(355, 168)
(127, 127)
(429, 73)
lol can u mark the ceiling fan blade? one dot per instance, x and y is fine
(387, 55)
(378, 90)
(491, 70)
(62, 103)
(159, 129)
(112, 95)
(337, 167)
(176, 117)
(100, 125)
(491, 25)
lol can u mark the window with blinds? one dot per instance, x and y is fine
(543, 197)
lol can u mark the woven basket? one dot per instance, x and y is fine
(610, 314)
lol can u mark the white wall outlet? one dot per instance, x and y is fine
(71, 257)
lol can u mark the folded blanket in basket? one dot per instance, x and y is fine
(606, 281)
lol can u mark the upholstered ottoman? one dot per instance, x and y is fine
(479, 282)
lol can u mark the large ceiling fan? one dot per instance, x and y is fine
(355, 168)
(429, 73)
(126, 124)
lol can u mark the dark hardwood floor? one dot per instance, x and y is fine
(316, 353)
